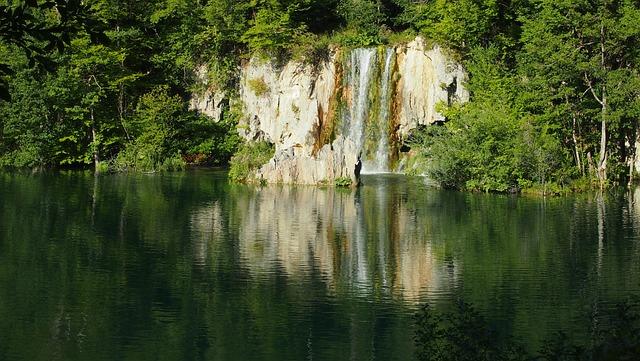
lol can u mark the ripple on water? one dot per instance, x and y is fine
(188, 264)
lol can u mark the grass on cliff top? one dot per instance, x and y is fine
(248, 159)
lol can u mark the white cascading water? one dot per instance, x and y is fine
(380, 163)
(361, 67)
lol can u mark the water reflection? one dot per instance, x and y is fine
(363, 242)
(206, 229)
(190, 267)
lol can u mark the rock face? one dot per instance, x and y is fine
(343, 115)
(208, 102)
(427, 78)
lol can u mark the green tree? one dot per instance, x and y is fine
(581, 76)
(39, 28)
(154, 129)
(490, 144)
(273, 28)
(365, 16)
(461, 24)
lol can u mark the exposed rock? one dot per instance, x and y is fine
(297, 165)
(426, 79)
(208, 102)
(286, 112)
(315, 117)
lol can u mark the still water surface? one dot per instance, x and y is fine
(185, 266)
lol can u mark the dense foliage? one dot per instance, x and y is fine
(555, 84)
(555, 94)
(116, 103)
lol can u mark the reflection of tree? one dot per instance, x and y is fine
(190, 267)
(464, 335)
(460, 335)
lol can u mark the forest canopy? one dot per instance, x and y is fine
(554, 84)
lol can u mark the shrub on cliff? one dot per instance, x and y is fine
(258, 86)
(249, 158)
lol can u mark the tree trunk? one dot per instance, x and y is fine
(121, 106)
(576, 146)
(602, 166)
(96, 156)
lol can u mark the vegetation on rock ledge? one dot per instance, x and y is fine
(249, 158)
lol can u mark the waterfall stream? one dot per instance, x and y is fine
(361, 67)
(370, 80)
(380, 161)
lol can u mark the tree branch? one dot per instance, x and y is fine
(586, 78)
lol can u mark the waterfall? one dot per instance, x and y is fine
(368, 115)
(380, 161)
(361, 68)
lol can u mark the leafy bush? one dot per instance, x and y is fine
(249, 158)
(154, 128)
(311, 49)
(491, 144)
(354, 39)
(343, 182)
(363, 16)
(458, 24)
(173, 163)
(165, 136)
(206, 142)
(102, 167)
(272, 30)
(487, 147)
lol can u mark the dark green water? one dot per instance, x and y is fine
(187, 267)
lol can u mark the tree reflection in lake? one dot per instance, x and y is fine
(187, 266)
(463, 335)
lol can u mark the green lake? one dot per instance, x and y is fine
(185, 266)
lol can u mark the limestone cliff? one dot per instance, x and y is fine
(348, 113)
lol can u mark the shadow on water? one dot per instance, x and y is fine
(190, 267)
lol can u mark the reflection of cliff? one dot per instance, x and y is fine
(359, 241)
(298, 229)
(206, 225)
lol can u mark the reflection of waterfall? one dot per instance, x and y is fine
(206, 226)
(359, 265)
(382, 244)
(361, 66)
(380, 161)
(360, 241)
